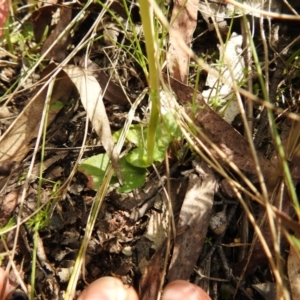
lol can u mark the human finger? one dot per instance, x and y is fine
(108, 288)
(181, 289)
(3, 14)
(5, 287)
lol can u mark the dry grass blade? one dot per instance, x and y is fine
(263, 13)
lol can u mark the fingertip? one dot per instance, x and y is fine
(5, 287)
(181, 289)
(108, 288)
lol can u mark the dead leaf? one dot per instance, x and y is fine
(7, 206)
(92, 100)
(194, 215)
(267, 290)
(5, 112)
(40, 19)
(15, 143)
(231, 68)
(183, 23)
(153, 270)
(150, 282)
(58, 52)
(222, 134)
(112, 92)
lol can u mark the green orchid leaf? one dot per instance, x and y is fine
(139, 158)
(134, 177)
(94, 169)
(137, 135)
(171, 125)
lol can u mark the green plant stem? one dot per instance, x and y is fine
(153, 81)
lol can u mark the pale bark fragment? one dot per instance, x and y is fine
(194, 216)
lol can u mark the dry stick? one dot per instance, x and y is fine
(281, 289)
(245, 26)
(270, 214)
(258, 233)
(248, 63)
(171, 230)
(280, 65)
(290, 7)
(220, 237)
(263, 13)
(228, 273)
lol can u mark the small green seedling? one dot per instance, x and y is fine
(40, 221)
(11, 222)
